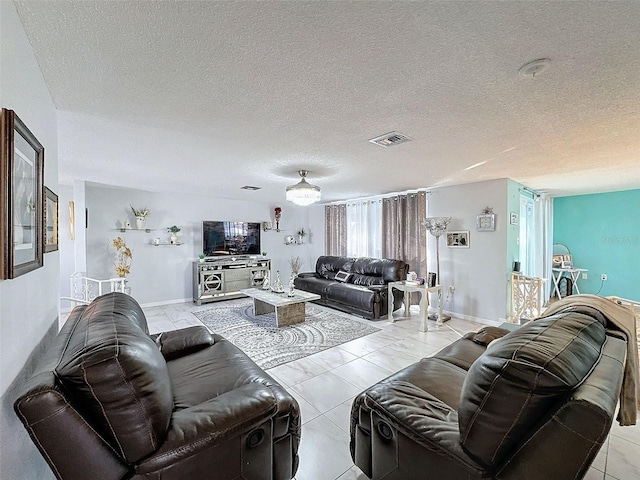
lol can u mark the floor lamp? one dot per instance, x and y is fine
(437, 226)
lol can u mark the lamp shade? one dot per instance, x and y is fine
(303, 193)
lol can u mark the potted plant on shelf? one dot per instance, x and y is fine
(141, 215)
(173, 230)
(301, 234)
(201, 257)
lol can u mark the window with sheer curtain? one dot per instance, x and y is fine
(364, 228)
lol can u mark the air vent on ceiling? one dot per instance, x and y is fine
(250, 187)
(390, 139)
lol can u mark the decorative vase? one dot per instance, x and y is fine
(266, 284)
(174, 239)
(292, 287)
(277, 287)
(300, 239)
(140, 222)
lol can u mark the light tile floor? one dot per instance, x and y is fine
(326, 383)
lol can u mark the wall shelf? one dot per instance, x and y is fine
(147, 230)
(169, 244)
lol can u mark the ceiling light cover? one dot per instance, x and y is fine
(535, 68)
(303, 193)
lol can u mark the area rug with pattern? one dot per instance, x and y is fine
(269, 345)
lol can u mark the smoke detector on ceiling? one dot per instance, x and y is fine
(390, 139)
(535, 68)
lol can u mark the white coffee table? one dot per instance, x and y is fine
(289, 310)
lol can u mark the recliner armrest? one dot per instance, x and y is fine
(308, 275)
(177, 343)
(420, 416)
(200, 427)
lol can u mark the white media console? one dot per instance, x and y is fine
(220, 278)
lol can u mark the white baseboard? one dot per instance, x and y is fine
(143, 305)
(484, 321)
(166, 302)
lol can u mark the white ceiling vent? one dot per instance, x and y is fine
(390, 139)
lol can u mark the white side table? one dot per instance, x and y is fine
(574, 274)
(424, 301)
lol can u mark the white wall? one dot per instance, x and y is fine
(163, 274)
(479, 273)
(28, 304)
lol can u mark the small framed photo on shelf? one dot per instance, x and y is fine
(458, 239)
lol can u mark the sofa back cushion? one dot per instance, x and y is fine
(377, 271)
(327, 266)
(520, 377)
(115, 375)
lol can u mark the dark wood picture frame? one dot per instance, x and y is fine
(22, 200)
(50, 221)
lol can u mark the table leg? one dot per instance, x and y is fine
(290, 314)
(424, 304)
(261, 308)
(390, 299)
(556, 281)
(407, 304)
(575, 277)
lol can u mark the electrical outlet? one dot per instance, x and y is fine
(452, 289)
(584, 276)
(603, 277)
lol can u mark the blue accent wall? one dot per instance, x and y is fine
(602, 231)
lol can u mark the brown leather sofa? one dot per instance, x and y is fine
(112, 402)
(536, 404)
(362, 292)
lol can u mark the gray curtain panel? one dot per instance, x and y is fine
(335, 231)
(403, 236)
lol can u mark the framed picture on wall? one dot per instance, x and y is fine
(50, 221)
(22, 201)
(458, 239)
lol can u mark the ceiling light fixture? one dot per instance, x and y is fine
(535, 68)
(303, 193)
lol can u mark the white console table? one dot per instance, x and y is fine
(424, 291)
(574, 274)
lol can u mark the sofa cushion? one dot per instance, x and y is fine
(356, 296)
(312, 284)
(511, 386)
(327, 266)
(114, 372)
(384, 270)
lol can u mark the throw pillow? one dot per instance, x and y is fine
(342, 276)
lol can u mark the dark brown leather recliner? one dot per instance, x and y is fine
(536, 404)
(112, 402)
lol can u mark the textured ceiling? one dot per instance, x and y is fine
(204, 96)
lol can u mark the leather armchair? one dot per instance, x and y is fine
(537, 403)
(112, 402)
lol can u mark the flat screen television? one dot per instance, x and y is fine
(230, 238)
